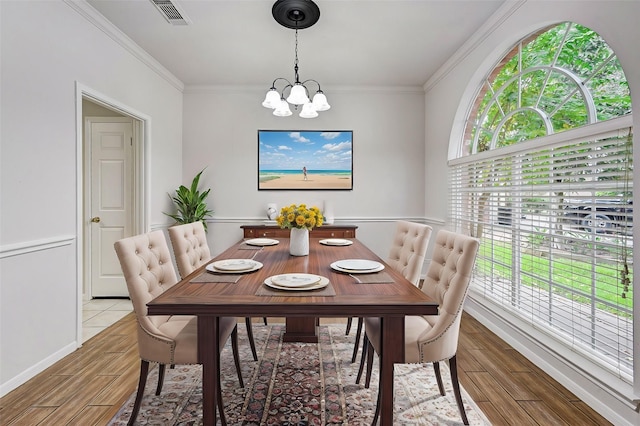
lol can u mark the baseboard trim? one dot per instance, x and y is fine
(36, 369)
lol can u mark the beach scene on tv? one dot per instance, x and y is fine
(305, 159)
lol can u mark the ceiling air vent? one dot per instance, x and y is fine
(171, 12)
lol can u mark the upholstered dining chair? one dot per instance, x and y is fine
(164, 339)
(191, 251)
(435, 338)
(407, 253)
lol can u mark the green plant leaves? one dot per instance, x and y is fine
(190, 203)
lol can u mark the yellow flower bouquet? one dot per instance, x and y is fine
(299, 216)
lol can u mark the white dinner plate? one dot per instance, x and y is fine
(336, 242)
(336, 267)
(232, 268)
(262, 242)
(295, 280)
(358, 264)
(321, 284)
(234, 264)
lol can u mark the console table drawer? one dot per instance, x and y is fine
(271, 231)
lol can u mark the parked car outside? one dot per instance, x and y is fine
(605, 215)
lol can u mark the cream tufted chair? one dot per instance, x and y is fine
(408, 249)
(191, 250)
(435, 338)
(190, 246)
(148, 270)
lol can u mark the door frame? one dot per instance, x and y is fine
(141, 183)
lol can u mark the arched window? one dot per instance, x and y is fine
(544, 179)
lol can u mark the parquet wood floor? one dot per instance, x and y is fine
(89, 386)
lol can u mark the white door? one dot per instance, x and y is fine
(111, 201)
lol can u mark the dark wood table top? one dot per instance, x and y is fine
(396, 299)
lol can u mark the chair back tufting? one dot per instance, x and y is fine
(408, 249)
(190, 246)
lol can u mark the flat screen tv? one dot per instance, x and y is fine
(305, 159)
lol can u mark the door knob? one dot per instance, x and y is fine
(95, 219)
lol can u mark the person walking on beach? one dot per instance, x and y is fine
(304, 172)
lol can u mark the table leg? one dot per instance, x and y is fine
(392, 352)
(301, 329)
(209, 357)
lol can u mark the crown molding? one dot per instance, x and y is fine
(503, 13)
(230, 89)
(98, 20)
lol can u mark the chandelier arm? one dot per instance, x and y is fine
(273, 85)
(310, 79)
(285, 88)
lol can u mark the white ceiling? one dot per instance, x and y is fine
(354, 43)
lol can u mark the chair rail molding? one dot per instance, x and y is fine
(26, 247)
(340, 220)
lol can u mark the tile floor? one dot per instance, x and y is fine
(98, 314)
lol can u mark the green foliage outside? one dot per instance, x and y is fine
(542, 76)
(495, 260)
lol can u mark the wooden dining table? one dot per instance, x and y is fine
(345, 296)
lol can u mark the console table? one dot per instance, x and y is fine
(324, 231)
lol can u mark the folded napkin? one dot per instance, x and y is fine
(377, 278)
(208, 277)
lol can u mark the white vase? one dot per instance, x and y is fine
(299, 242)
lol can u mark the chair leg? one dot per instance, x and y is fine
(436, 369)
(265, 320)
(358, 333)
(236, 357)
(252, 343)
(377, 413)
(349, 321)
(453, 366)
(370, 352)
(365, 345)
(144, 371)
(161, 368)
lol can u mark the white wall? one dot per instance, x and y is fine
(220, 133)
(48, 46)
(452, 91)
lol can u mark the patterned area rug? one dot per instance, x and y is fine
(299, 384)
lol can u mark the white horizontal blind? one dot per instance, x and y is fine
(555, 226)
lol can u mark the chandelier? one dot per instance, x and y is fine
(295, 14)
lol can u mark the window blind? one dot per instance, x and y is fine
(555, 221)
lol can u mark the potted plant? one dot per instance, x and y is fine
(190, 203)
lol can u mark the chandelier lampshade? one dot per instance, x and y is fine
(320, 101)
(298, 95)
(272, 100)
(295, 14)
(282, 110)
(308, 111)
